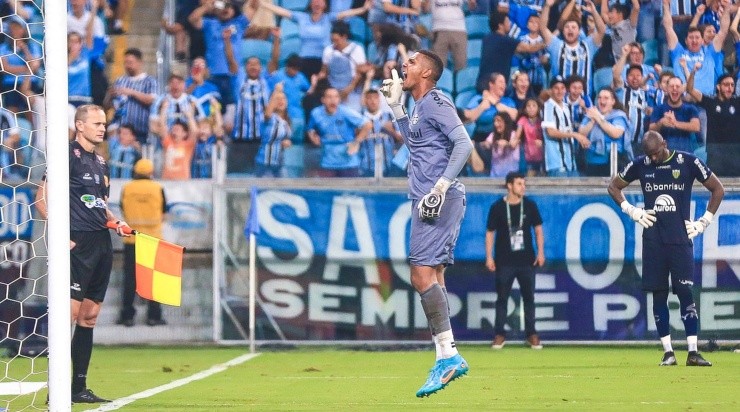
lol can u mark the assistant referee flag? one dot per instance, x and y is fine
(158, 270)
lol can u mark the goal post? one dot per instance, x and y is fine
(57, 149)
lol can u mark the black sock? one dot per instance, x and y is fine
(82, 342)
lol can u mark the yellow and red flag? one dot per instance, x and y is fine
(158, 270)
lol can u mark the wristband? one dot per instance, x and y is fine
(442, 184)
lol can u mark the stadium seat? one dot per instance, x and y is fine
(288, 29)
(446, 82)
(259, 48)
(651, 51)
(465, 79)
(462, 99)
(474, 52)
(602, 78)
(297, 5)
(477, 26)
(359, 30)
(287, 47)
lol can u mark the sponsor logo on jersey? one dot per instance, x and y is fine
(649, 187)
(97, 179)
(701, 167)
(87, 176)
(650, 176)
(732, 109)
(415, 119)
(663, 167)
(76, 287)
(679, 160)
(646, 161)
(664, 203)
(676, 173)
(91, 201)
(76, 152)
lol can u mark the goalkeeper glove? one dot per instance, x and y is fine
(693, 229)
(430, 206)
(392, 89)
(646, 218)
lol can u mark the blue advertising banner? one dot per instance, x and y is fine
(332, 265)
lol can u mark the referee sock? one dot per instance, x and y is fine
(82, 342)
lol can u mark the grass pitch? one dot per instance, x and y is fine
(318, 379)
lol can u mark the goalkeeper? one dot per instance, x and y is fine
(666, 177)
(439, 147)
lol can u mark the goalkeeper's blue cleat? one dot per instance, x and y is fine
(443, 372)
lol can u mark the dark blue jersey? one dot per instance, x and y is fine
(667, 190)
(88, 189)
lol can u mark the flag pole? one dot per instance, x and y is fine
(252, 286)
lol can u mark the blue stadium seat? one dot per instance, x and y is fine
(259, 48)
(287, 47)
(651, 51)
(288, 29)
(359, 31)
(462, 99)
(446, 82)
(474, 51)
(297, 5)
(477, 26)
(465, 79)
(602, 78)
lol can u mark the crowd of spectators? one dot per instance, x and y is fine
(289, 87)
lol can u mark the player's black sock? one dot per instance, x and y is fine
(82, 342)
(688, 309)
(661, 313)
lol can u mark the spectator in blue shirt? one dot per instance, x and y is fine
(78, 71)
(675, 120)
(198, 85)
(209, 138)
(339, 131)
(383, 133)
(314, 27)
(276, 136)
(21, 59)
(215, 18)
(124, 152)
(695, 51)
(483, 107)
(295, 85)
(604, 124)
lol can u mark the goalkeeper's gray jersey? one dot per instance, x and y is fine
(426, 136)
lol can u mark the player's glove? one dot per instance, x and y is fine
(430, 206)
(646, 218)
(693, 229)
(392, 89)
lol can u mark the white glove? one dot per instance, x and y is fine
(646, 218)
(392, 89)
(693, 229)
(430, 206)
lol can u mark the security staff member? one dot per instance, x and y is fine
(143, 205)
(91, 252)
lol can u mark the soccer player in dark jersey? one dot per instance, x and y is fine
(91, 252)
(439, 147)
(666, 177)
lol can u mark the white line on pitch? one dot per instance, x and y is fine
(118, 403)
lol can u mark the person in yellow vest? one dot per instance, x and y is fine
(144, 205)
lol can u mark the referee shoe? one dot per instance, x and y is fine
(669, 359)
(87, 396)
(695, 359)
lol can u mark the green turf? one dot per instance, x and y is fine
(516, 378)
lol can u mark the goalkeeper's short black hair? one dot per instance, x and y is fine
(436, 63)
(511, 176)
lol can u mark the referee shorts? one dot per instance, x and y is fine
(659, 261)
(433, 240)
(91, 261)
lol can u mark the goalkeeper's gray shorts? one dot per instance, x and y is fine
(433, 240)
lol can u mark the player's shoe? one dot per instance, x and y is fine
(443, 372)
(498, 342)
(695, 359)
(669, 359)
(87, 396)
(534, 341)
